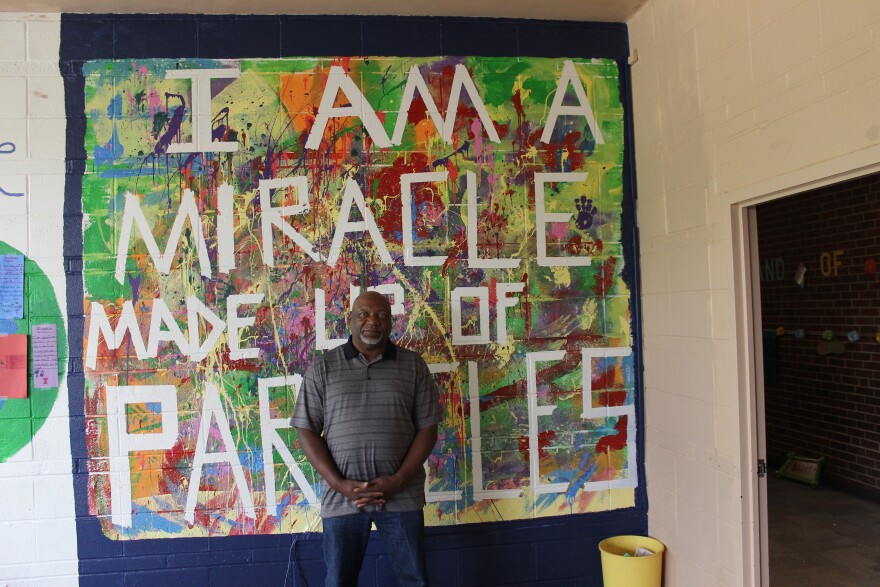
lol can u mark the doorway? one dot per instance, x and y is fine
(810, 271)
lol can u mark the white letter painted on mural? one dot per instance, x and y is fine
(99, 324)
(269, 428)
(543, 218)
(630, 475)
(438, 496)
(461, 81)
(134, 215)
(344, 225)
(406, 182)
(213, 409)
(415, 81)
(235, 323)
(122, 444)
(357, 107)
(480, 491)
(321, 341)
(474, 259)
(481, 295)
(583, 108)
(160, 316)
(202, 116)
(534, 412)
(502, 303)
(273, 216)
(195, 309)
(225, 228)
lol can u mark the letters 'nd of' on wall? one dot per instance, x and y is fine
(232, 209)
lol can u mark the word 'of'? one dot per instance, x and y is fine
(829, 262)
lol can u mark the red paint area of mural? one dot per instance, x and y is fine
(177, 459)
(417, 111)
(456, 250)
(614, 441)
(604, 383)
(545, 439)
(552, 153)
(612, 398)
(605, 277)
(429, 210)
(580, 246)
(387, 186)
(574, 155)
(492, 227)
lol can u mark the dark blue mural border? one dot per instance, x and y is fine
(548, 551)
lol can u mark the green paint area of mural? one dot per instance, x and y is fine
(21, 418)
(484, 195)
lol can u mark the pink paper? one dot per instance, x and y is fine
(44, 340)
(13, 365)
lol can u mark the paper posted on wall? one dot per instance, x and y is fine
(11, 286)
(44, 340)
(13, 366)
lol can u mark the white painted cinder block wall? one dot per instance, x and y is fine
(37, 525)
(734, 101)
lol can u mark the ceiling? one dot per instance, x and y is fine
(581, 10)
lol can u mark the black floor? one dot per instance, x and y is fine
(821, 537)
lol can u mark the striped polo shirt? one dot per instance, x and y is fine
(369, 414)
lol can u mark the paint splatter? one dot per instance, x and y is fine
(241, 262)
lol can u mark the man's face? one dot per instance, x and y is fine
(370, 321)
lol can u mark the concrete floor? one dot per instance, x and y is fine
(821, 537)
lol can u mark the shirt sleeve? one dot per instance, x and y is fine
(427, 411)
(308, 409)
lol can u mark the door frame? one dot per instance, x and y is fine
(749, 345)
(750, 373)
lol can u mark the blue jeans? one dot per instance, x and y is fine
(345, 542)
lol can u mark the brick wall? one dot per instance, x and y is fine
(824, 404)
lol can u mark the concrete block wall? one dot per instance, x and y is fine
(735, 101)
(37, 522)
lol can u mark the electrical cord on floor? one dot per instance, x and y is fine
(291, 562)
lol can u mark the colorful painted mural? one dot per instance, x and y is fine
(232, 211)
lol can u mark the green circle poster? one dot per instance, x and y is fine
(20, 419)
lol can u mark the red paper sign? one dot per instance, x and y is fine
(13, 366)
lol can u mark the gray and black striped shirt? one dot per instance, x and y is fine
(369, 414)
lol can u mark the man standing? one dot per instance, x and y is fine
(367, 416)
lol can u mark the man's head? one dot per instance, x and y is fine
(370, 322)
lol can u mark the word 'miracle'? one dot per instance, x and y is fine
(274, 217)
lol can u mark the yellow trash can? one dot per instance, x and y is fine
(623, 567)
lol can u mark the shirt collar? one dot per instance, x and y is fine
(389, 354)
